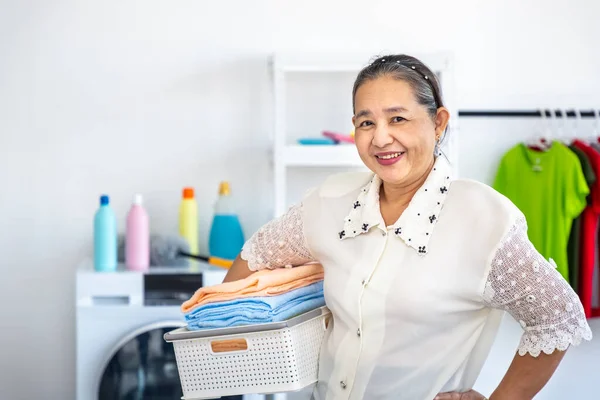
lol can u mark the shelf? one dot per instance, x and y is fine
(342, 155)
(301, 65)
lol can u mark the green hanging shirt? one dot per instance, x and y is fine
(550, 189)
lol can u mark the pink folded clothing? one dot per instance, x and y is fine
(265, 282)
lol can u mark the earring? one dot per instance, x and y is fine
(436, 150)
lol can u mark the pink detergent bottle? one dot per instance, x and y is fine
(137, 237)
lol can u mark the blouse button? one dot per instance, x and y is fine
(358, 332)
(343, 384)
(364, 282)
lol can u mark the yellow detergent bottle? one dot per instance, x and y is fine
(188, 219)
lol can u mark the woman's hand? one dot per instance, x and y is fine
(470, 395)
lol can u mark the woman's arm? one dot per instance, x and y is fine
(527, 286)
(238, 270)
(279, 243)
(526, 376)
(523, 283)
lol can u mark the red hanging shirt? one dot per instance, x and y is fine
(589, 226)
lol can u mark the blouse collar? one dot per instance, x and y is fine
(416, 224)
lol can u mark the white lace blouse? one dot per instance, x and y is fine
(416, 305)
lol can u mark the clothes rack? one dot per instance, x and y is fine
(524, 113)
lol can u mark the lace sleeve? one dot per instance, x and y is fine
(280, 243)
(523, 283)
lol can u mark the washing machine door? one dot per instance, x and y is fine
(142, 367)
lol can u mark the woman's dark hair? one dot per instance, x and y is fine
(421, 79)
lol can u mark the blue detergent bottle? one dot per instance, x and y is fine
(226, 237)
(105, 237)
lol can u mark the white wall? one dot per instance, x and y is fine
(149, 96)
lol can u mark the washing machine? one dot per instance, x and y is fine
(121, 318)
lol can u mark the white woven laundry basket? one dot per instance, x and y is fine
(265, 358)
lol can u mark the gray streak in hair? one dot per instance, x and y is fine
(421, 79)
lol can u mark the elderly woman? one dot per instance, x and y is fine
(419, 267)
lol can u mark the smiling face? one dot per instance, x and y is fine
(395, 135)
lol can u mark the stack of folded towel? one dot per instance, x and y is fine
(265, 296)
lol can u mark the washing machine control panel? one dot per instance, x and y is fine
(170, 289)
(157, 287)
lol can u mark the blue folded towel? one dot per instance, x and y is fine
(256, 310)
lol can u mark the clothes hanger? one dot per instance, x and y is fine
(559, 125)
(551, 128)
(565, 138)
(576, 124)
(538, 141)
(546, 139)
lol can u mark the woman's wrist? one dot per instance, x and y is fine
(502, 396)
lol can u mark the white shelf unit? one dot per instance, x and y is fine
(287, 156)
(343, 155)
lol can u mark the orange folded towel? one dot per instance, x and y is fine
(265, 282)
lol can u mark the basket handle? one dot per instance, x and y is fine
(229, 346)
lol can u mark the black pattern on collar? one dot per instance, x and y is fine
(416, 224)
